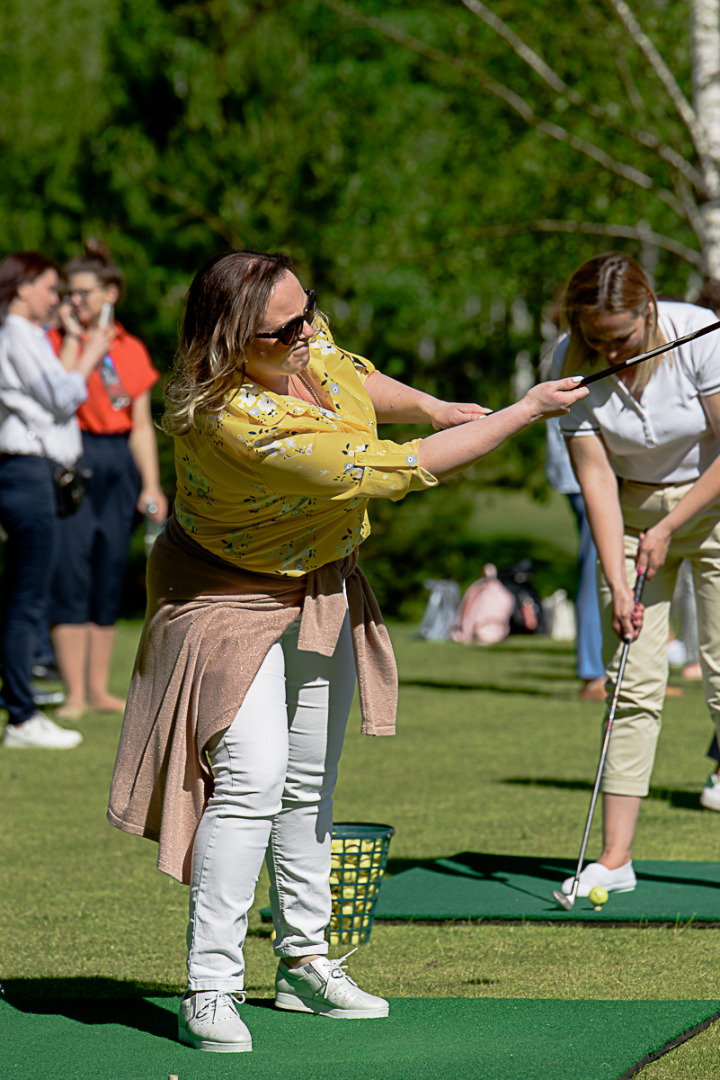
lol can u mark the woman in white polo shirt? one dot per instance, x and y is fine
(644, 445)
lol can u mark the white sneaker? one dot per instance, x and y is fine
(322, 986)
(710, 794)
(208, 1020)
(621, 880)
(676, 652)
(42, 732)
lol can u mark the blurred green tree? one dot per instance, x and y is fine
(365, 139)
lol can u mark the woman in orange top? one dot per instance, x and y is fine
(120, 450)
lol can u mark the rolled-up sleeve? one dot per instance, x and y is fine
(362, 366)
(335, 465)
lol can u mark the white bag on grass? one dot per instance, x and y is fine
(560, 616)
(441, 609)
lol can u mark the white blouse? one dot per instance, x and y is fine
(38, 397)
(664, 438)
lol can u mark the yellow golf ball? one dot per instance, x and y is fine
(598, 895)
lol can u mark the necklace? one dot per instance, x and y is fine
(311, 390)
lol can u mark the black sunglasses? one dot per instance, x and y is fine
(290, 331)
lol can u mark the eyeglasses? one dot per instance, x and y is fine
(83, 293)
(290, 331)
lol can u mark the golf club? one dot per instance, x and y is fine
(567, 900)
(615, 369)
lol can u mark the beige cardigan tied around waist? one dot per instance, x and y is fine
(207, 630)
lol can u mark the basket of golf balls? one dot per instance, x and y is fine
(359, 857)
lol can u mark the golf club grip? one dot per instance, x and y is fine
(639, 585)
(667, 347)
(637, 593)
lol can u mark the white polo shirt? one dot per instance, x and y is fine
(664, 438)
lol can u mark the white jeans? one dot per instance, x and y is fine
(275, 770)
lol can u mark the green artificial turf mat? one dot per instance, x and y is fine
(492, 1039)
(473, 885)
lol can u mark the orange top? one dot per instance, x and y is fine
(136, 373)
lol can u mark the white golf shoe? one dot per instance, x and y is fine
(710, 794)
(40, 732)
(621, 880)
(209, 1020)
(322, 986)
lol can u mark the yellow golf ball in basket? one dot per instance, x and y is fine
(598, 896)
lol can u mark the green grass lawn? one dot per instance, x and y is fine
(494, 753)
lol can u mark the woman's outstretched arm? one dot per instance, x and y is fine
(397, 403)
(448, 451)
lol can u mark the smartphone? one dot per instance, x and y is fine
(106, 315)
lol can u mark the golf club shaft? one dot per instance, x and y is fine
(617, 368)
(639, 582)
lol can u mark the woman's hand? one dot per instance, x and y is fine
(653, 549)
(71, 326)
(627, 617)
(99, 340)
(451, 413)
(554, 398)
(153, 503)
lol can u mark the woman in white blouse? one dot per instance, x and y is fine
(38, 434)
(644, 445)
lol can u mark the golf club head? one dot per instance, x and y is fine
(563, 899)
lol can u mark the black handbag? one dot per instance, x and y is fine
(70, 489)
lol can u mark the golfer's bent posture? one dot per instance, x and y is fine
(644, 445)
(258, 619)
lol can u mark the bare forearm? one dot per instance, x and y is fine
(704, 492)
(448, 451)
(607, 527)
(396, 403)
(599, 487)
(144, 451)
(458, 446)
(69, 351)
(655, 541)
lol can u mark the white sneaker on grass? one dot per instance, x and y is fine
(209, 1020)
(322, 986)
(676, 653)
(41, 732)
(710, 794)
(621, 880)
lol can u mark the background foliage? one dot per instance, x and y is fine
(402, 188)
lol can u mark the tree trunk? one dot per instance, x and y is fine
(705, 43)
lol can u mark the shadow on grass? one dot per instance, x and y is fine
(678, 798)
(485, 865)
(102, 1001)
(491, 688)
(488, 866)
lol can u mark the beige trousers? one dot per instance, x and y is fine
(637, 721)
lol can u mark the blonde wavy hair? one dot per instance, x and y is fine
(224, 309)
(609, 284)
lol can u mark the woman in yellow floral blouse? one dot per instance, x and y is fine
(259, 619)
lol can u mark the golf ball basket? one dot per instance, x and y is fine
(358, 861)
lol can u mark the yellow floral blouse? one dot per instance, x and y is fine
(276, 485)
